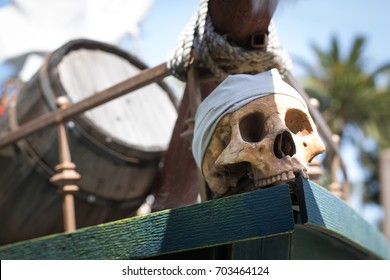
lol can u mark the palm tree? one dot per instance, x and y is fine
(349, 95)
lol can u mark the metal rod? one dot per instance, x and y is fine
(144, 78)
(384, 167)
(194, 85)
(68, 207)
(67, 175)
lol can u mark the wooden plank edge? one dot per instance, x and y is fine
(241, 217)
(325, 212)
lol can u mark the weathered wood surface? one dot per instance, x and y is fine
(34, 208)
(240, 19)
(385, 188)
(245, 216)
(326, 213)
(179, 167)
(125, 159)
(255, 225)
(143, 120)
(117, 170)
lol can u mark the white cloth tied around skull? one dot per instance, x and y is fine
(233, 93)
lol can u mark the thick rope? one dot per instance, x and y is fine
(217, 58)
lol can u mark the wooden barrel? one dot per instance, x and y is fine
(117, 147)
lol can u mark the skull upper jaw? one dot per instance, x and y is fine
(245, 176)
(266, 142)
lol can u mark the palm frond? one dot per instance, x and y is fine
(356, 53)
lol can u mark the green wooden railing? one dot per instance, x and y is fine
(280, 222)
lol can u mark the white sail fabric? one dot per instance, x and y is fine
(45, 25)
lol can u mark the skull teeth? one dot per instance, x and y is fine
(285, 176)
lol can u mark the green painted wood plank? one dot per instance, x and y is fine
(241, 217)
(308, 243)
(323, 211)
(275, 247)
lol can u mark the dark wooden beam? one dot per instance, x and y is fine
(144, 78)
(213, 223)
(239, 19)
(258, 224)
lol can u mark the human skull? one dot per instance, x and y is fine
(267, 141)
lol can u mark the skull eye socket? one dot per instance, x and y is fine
(298, 123)
(251, 127)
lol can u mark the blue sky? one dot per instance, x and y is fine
(4, 2)
(300, 23)
(304, 22)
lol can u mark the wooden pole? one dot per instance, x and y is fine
(67, 175)
(144, 78)
(180, 178)
(240, 20)
(384, 173)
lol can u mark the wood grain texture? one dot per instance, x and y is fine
(241, 217)
(179, 183)
(325, 212)
(257, 224)
(109, 144)
(238, 20)
(143, 119)
(308, 243)
(275, 247)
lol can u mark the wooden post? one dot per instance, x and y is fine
(66, 176)
(335, 187)
(384, 167)
(180, 179)
(314, 167)
(144, 78)
(241, 20)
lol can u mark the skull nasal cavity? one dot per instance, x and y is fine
(284, 145)
(251, 127)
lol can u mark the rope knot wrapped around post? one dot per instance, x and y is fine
(217, 58)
